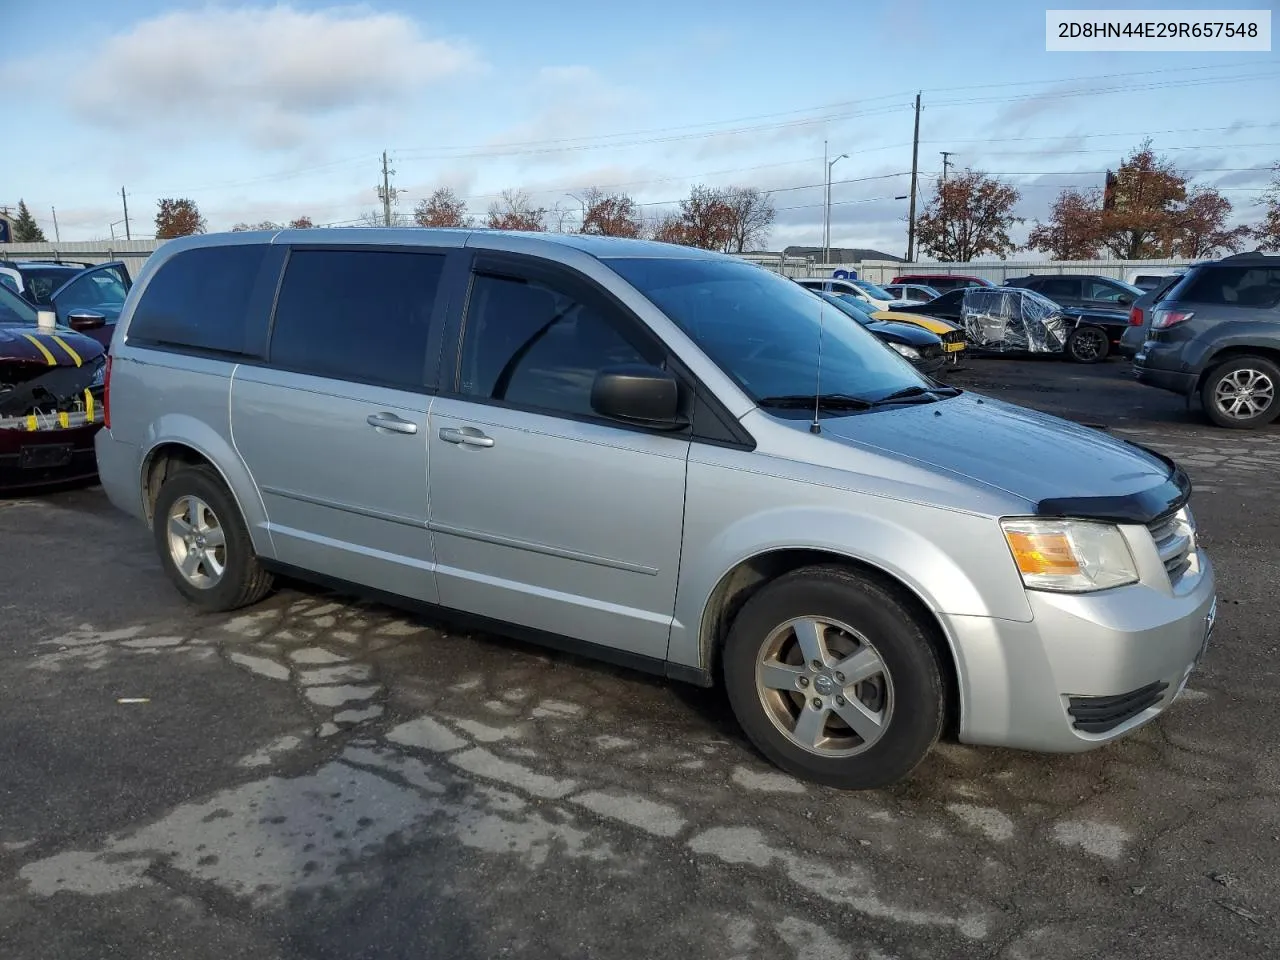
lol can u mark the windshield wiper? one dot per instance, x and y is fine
(824, 401)
(922, 394)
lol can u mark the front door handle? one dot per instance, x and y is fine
(389, 421)
(465, 435)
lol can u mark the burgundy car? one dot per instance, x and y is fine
(51, 399)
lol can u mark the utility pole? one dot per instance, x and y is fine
(385, 193)
(826, 216)
(56, 235)
(911, 214)
(945, 163)
(125, 200)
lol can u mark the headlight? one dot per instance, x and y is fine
(1069, 556)
(99, 375)
(911, 353)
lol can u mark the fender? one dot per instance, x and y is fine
(187, 431)
(965, 570)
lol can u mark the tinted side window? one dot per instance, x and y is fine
(530, 344)
(200, 299)
(100, 288)
(1055, 287)
(1232, 286)
(1098, 290)
(360, 315)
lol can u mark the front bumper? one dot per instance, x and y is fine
(1087, 669)
(31, 460)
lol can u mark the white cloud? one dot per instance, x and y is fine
(265, 75)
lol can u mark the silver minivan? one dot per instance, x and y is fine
(664, 457)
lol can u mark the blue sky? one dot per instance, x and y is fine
(262, 111)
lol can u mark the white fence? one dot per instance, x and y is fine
(997, 271)
(135, 252)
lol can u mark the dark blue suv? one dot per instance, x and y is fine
(1216, 333)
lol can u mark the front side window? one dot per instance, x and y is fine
(361, 315)
(99, 289)
(1110, 292)
(765, 333)
(530, 344)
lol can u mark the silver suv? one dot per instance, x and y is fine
(665, 457)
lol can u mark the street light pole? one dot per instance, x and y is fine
(826, 219)
(574, 196)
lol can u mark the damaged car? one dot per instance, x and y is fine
(1015, 320)
(51, 399)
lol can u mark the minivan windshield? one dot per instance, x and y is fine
(880, 293)
(763, 330)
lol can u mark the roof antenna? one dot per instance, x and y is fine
(816, 427)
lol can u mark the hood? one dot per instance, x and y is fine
(60, 347)
(1032, 456)
(905, 333)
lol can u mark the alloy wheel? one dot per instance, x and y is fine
(824, 686)
(1244, 394)
(197, 542)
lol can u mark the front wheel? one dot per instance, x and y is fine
(1241, 393)
(834, 679)
(1088, 345)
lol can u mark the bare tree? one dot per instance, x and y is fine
(301, 223)
(514, 211)
(751, 214)
(264, 225)
(443, 208)
(1267, 233)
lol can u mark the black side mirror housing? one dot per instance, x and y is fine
(85, 320)
(640, 394)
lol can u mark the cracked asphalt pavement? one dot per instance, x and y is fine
(320, 777)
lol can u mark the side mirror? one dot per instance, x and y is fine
(638, 393)
(85, 320)
(1125, 300)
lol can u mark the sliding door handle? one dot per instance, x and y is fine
(389, 421)
(468, 436)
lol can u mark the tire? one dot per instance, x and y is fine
(242, 580)
(1253, 380)
(769, 692)
(1088, 345)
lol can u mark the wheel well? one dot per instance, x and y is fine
(1230, 353)
(738, 586)
(160, 465)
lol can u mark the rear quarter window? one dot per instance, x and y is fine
(204, 300)
(1242, 286)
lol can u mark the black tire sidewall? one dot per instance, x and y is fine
(876, 611)
(1211, 381)
(1093, 332)
(242, 564)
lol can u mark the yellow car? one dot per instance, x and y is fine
(952, 336)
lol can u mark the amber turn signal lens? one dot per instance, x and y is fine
(1041, 553)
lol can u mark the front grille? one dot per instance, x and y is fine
(953, 336)
(1100, 714)
(1174, 538)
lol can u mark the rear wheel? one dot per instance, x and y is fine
(1088, 345)
(834, 679)
(204, 544)
(1241, 393)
